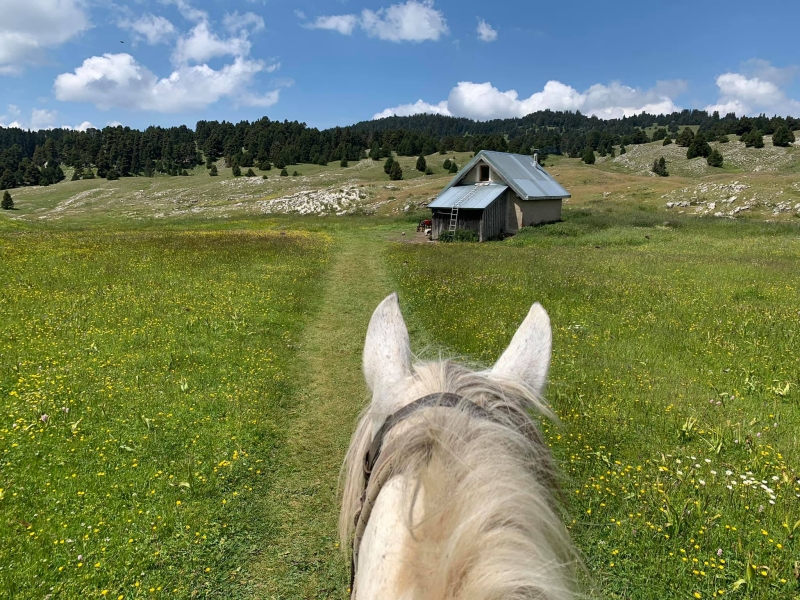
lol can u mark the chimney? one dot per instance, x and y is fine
(535, 157)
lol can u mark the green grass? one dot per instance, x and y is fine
(145, 386)
(675, 362)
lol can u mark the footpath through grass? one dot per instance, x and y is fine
(301, 558)
(676, 373)
(144, 392)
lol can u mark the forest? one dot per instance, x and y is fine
(37, 157)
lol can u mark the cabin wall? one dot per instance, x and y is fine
(493, 221)
(535, 212)
(489, 223)
(473, 175)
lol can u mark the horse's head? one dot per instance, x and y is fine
(387, 355)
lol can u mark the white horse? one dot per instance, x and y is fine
(449, 487)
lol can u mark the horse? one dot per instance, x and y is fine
(449, 490)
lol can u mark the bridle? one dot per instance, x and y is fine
(373, 457)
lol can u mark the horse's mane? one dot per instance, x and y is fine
(492, 526)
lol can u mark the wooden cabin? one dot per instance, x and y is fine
(495, 194)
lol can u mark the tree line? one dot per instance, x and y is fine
(38, 157)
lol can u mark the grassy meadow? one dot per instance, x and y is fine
(180, 371)
(675, 376)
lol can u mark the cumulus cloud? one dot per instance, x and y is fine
(84, 126)
(418, 108)
(118, 81)
(485, 31)
(756, 90)
(411, 21)
(28, 28)
(200, 45)
(483, 101)
(344, 24)
(149, 28)
(40, 118)
(249, 21)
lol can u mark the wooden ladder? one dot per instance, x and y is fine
(454, 209)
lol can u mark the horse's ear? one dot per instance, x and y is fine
(387, 352)
(527, 357)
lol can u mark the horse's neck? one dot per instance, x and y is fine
(383, 559)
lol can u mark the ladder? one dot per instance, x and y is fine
(454, 208)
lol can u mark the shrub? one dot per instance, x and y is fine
(112, 175)
(622, 150)
(7, 202)
(660, 167)
(343, 162)
(722, 138)
(265, 165)
(667, 141)
(428, 171)
(715, 158)
(76, 175)
(453, 167)
(250, 173)
(264, 177)
(459, 235)
(322, 162)
(88, 174)
(446, 164)
(213, 171)
(184, 173)
(237, 171)
(295, 174)
(284, 173)
(782, 136)
(421, 164)
(588, 156)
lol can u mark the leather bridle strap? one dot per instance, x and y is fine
(370, 495)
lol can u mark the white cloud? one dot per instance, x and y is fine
(113, 124)
(40, 118)
(187, 11)
(150, 28)
(248, 21)
(344, 24)
(757, 90)
(29, 27)
(264, 101)
(118, 81)
(483, 101)
(419, 107)
(485, 31)
(201, 45)
(411, 21)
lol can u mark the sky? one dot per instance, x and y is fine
(93, 63)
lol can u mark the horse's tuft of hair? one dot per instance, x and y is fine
(492, 526)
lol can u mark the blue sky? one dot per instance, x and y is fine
(77, 63)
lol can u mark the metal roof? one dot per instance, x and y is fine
(524, 175)
(482, 197)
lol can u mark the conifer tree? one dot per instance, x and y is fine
(296, 174)
(32, 175)
(387, 166)
(622, 150)
(396, 172)
(76, 174)
(453, 167)
(782, 136)
(698, 147)
(685, 138)
(8, 202)
(343, 163)
(421, 164)
(237, 170)
(715, 158)
(250, 173)
(446, 164)
(667, 141)
(213, 171)
(112, 175)
(284, 172)
(660, 167)
(588, 156)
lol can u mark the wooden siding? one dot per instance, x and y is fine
(488, 223)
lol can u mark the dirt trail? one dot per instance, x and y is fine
(301, 558)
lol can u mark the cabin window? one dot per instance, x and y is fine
(484, 173)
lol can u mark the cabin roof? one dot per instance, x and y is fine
(520, 172)
(483, 196)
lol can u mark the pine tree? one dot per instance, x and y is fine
(322, 162)
(250, 173)
(453, 167)
(613, 152)
(685, 138)
(622, 150)
(264, 165)
(698, 147)
(396, 173)
(32, 175)
(667, 141)
(237, 170)
(446, 164)
(213, 171)
(782, 136)
(660, 167)
(7, 203)
(588, 156)
(421, 164)
(753, 139)
(723, 138)
(715, 158)
(343, 163)
(284, 172)
(112, 175)
(387, 166)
